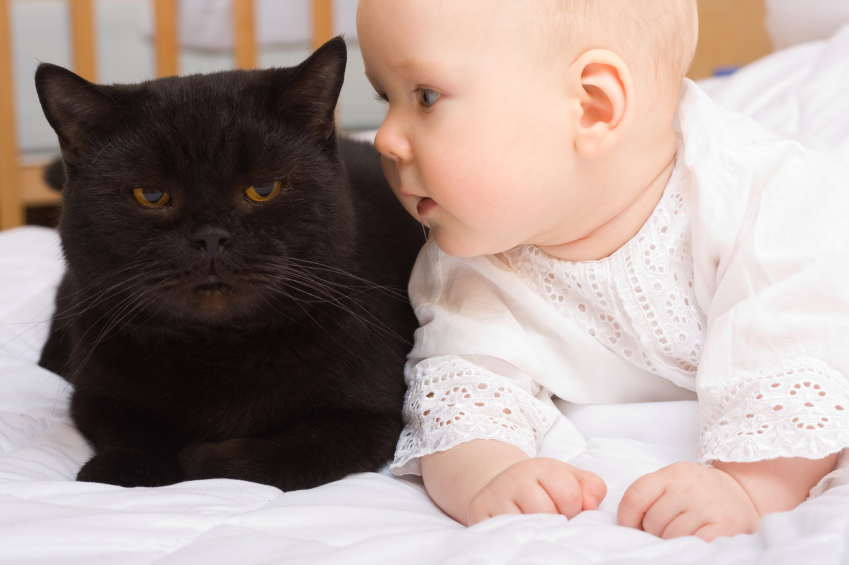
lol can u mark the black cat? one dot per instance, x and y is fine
(233, 304)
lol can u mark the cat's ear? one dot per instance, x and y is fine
(311, 94)
(75, 108)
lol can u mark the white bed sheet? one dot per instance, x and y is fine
(46, 517)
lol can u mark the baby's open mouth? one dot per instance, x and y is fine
(425, 205)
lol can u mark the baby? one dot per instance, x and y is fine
(605, 234)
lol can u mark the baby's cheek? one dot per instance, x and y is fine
(461, 184)
(390, 171)
(445, 174)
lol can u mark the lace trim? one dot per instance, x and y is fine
(800, 409)
(657, 283)
(640, 301)
(457, 401)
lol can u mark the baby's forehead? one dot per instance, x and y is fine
(661, 33)
(436, 30)
(440, 17)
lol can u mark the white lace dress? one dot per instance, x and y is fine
(736, 289)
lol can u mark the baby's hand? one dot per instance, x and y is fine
(538, 486)
(686, 499)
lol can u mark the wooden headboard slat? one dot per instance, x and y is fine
(166, 33)
(244, 34)
(322, 22)
(83, 39)
(11, 211)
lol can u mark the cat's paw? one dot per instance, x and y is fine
(222, 460)
(131, 468)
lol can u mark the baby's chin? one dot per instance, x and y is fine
(465, 245)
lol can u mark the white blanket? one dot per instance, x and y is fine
(46, 517)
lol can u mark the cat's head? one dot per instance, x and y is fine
(192, 194)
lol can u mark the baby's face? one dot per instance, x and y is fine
(478, 139)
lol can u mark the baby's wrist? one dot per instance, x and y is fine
(454, 477)
(780, 484)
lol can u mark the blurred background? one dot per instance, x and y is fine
(121, 44)
(124, 32)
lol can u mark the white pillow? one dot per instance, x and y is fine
(800, 93)
(790, 22)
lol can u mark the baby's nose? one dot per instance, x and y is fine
(392, 142)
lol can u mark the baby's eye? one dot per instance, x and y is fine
(428, 97)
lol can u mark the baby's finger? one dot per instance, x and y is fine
(639, 497)
(593, 488)
(664, 510)
(564, 491)
(535, 500)
(686, 524)
(710, 532)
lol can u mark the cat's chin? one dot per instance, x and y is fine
(215, 300)
(211, 302)
(213, 285)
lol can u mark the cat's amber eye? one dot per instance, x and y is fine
(152, 197)
(263, 191)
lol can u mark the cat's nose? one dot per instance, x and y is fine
(212, 240)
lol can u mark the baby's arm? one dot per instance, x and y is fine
(480, 479)
(730, 498)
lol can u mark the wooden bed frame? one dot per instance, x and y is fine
(732, 33)
(21, 184)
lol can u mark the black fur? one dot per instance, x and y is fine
(54, 175)
(218, 336)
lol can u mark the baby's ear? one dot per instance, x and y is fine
(604, 87)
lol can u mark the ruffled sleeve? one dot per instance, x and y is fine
(452, 400)
(469, 375)
(771, 249)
